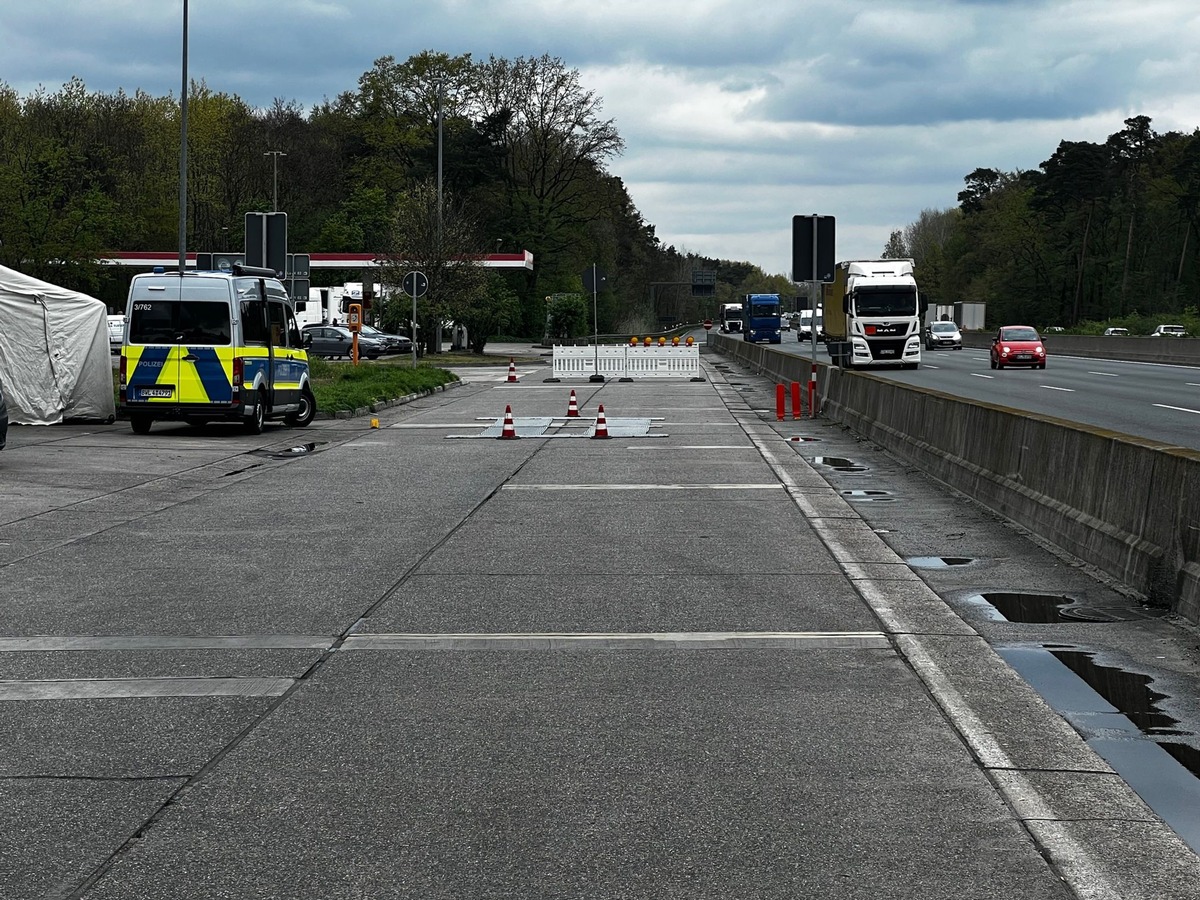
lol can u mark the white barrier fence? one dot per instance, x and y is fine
(627, 361)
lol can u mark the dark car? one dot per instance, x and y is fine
(1018, 345)
(336, 340)
(3, 419)
(396, 343)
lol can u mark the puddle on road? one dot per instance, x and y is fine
(869, 496)
(289, 452)
(938, 562)
(1041, 609)
(1118, 714)
(838, 464)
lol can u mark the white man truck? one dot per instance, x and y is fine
(731, 318)
(873, 314)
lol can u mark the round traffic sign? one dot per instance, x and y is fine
(415, 284)
(708, 324)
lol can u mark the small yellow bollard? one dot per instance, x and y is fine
(374, 423)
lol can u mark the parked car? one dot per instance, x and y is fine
(396, 343)
(336, 340)
(3, 419)
(944, 335)
(1116, 332)
(1169, 331)
(116, 333)
(1018, 345)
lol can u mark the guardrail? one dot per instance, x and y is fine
(626, 362)
(1133, 509)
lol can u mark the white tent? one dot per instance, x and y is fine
(55, 362)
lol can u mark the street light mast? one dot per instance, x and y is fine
(275, 154)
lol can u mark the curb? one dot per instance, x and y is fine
(380, 405)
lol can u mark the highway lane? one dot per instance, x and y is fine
(1149, 400)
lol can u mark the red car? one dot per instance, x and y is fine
(1018, 345)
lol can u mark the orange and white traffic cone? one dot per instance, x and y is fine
(601, 423)
(512, 371)
(573, 407)
(509, 430)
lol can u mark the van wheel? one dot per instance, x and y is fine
(140, 424)
(254, 425)
(307, 411)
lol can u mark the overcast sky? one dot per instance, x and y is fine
(736, 115)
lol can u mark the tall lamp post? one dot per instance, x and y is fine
(441, 85)
(183, 104)
(275, 154)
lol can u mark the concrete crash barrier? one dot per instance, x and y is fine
(1127, 505)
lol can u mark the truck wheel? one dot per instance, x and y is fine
(140, 424)
(307, 411)
(258, 416)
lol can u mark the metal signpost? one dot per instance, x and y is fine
(592, 279)
(415, 285)
(813, 260)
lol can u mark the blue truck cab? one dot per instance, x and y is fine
(761, 320)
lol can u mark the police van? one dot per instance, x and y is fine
(213, 346)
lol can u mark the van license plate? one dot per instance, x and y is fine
(156, 392)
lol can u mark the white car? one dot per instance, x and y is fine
(943, 334)
(116, 333)
(1116, 332)
(1169, 331)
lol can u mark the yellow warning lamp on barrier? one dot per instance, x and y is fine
(633, 341)
(649, 340)
(354, 323)
(675, 341)
(691, 340)
(662, 342)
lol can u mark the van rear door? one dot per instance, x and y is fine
(179, 347)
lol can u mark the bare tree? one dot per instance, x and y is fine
(442, 243)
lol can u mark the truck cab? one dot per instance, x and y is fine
(874, 314)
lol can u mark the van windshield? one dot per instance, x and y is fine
(165, 321)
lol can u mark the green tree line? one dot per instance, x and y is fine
(1099, 233)
(526, 155)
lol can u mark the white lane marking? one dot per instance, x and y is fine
(680, 640)
(1176, 408)
(46, 643)
(698, 447)
(1192, 383)
(1051, 387)
(1105, 374)
(928, 366)
(981, 375)
(123, 688)
(643, 487)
